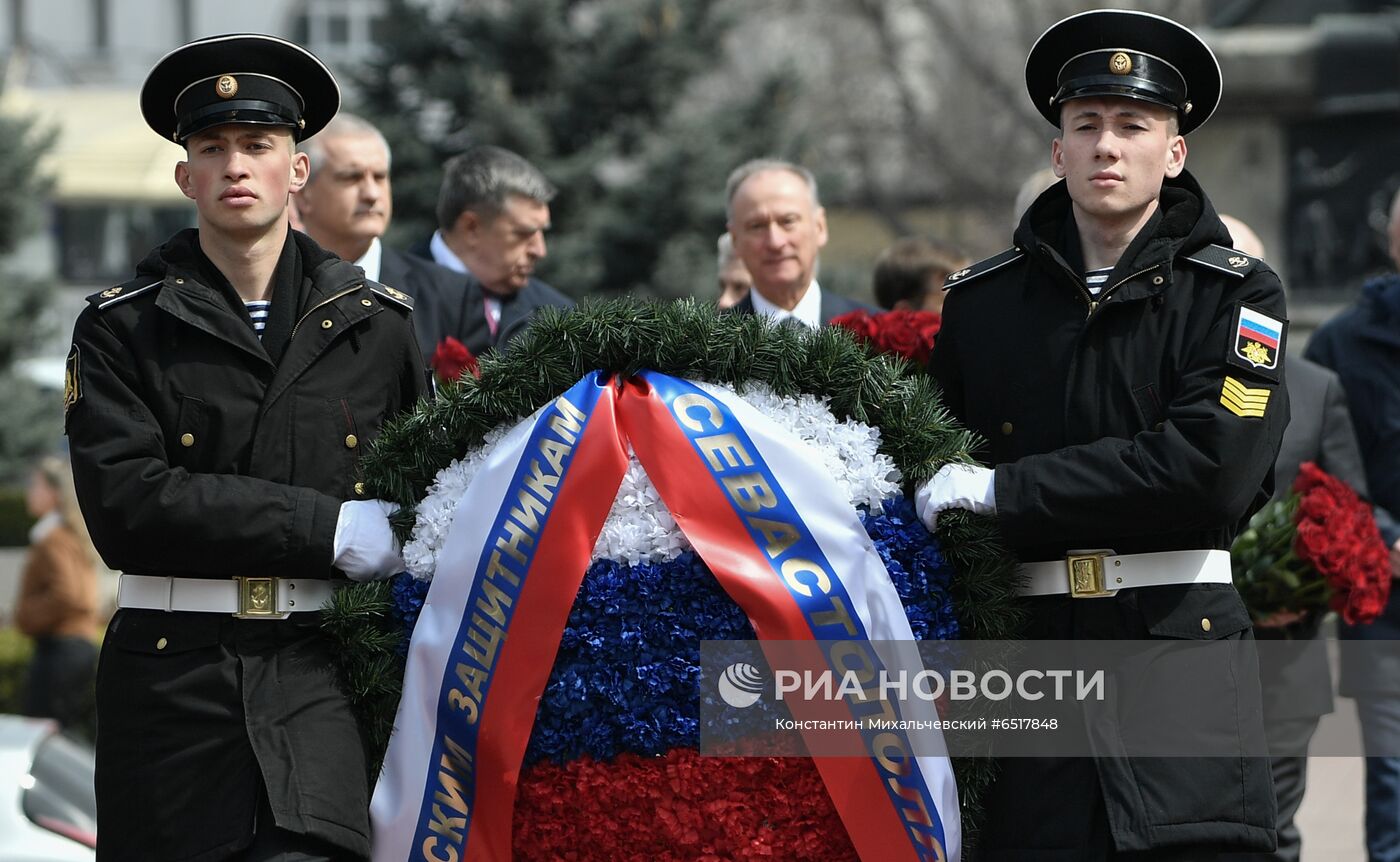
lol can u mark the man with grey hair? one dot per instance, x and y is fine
(493, 212)
(346, 206)
(734, 279)
(778, 227)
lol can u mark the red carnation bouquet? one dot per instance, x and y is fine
(451, 358)
(1316, 549)
(908, 334)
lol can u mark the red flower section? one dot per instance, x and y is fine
(1338, 537)
(451, 358)
(680, 806)
(908, 334)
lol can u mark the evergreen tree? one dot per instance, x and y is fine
(607, 98)
(31, 422)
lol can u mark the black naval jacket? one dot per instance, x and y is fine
(1107, 424)
(201, 452)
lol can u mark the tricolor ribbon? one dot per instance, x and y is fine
(773, 528)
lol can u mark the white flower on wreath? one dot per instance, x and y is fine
(639, 528)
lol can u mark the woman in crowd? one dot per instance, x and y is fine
(58, 598)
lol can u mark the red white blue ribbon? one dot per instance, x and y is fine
(775, 530)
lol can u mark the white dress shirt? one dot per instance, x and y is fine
(369, 261)
(807, 312)
(444, 256)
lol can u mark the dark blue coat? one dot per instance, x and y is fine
(1362, 344)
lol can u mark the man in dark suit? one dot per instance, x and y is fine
(493, 212)
(779, 227)
(346, 207)
(1293, 670)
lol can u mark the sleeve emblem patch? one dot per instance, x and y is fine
(1257, 342)
(1243, 401)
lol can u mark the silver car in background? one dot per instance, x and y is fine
(48, 809)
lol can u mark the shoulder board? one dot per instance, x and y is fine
(395, 297)
(982, 267)
(121, 293)
(1225, 259)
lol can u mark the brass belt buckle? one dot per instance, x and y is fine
(1086, 575)
(257, 599)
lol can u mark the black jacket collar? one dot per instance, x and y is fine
(1184, 223)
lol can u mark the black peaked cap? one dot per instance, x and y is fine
(1117, 52)
(239, 78)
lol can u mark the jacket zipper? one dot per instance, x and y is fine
(319, 304)
(1103, 296)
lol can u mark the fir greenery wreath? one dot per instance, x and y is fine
(685, 339)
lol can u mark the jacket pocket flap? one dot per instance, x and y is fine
(1193, 611)
(161, 633)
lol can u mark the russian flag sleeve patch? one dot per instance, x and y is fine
(1257, 342)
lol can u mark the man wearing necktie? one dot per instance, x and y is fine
(493, 212)
(779, 227)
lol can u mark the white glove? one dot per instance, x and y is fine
(956, 486)
(365, 546)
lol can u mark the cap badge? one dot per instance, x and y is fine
(226, 86)
(1120, 63)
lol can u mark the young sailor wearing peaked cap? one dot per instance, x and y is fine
(1131, 411)
(245, 78)
(217, 408)
(1117, 52)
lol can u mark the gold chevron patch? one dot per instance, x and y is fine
(1242, 400)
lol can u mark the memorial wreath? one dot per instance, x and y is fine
(597, 528)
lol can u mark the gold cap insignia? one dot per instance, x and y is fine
(1186, 108)
(959, 274)
(1237, 261)
(1120, 63)
(226, 87)
(111, 292)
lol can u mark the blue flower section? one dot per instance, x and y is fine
(407, 594)
(916, 564)
(627, 675)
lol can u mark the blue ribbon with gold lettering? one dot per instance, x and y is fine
(781, 540)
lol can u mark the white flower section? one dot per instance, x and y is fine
(436, 510)
(638, 527)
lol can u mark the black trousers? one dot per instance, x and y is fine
(59, 681)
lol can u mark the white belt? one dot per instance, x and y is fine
(244, 597)
(1094, 574)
